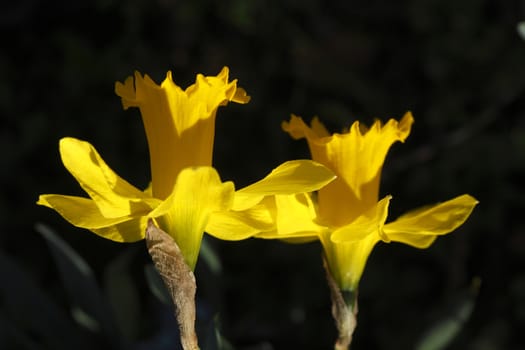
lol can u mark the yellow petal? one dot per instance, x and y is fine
(295, 219)
(127, 93)
(81, 212)
(296, 215)
(414, 240)
(370, 223)
(291, 177)
(318, 128)
(114, 196)
(185, 214)
(347, 260)
(128, 231)
(237, 225)
(180, 124)
(291, 237)
(419, 228)
(84, 213)
(347, 248)
(240, 96)
(219, 87)
(356, 157)
(301, 240)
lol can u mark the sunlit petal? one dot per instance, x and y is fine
(296, 214)
(114, 196)
(288, 178)
(132, 230)
(431, 221)
(414, 240)
(236, 225)
(347, 260)
(185, 214)
(81, 212)
(370, 223)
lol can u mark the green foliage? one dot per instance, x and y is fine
(452, 320)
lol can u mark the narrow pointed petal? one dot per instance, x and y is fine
(132, 230)
(176, 120)
(81, 212)
(295, 176)
(370, 223)
(198, 193)
(296, 214)
(431, 221)
(291, 237)
(237, 225)
(291, 177)
(414, 240)
(295, 219)
(301, 240)
(114, 196)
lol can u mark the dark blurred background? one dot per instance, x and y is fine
(459, 66)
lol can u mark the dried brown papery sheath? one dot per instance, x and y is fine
(179, 279)
(344, 311)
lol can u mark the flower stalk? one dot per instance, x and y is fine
(344, 310)
(178, 278)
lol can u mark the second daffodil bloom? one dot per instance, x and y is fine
(347, 215)
(186, 196)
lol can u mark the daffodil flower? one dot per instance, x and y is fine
(186, 196)
(347, 215)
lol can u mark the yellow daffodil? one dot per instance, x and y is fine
(347, 215)
(187, 196)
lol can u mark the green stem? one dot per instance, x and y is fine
(344, 311)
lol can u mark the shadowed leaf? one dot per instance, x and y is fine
(156, 285)
(443, 332)
(209, 256)
(122, 293)
(32, 317)
(521, 29)
(89, 307)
